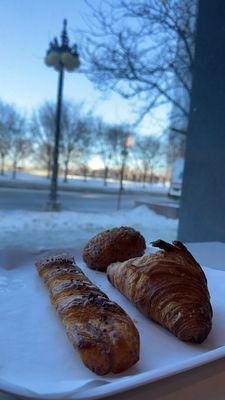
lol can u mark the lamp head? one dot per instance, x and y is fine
(63, 55)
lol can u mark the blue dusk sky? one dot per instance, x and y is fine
(26, 28)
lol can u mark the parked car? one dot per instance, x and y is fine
(176, 178)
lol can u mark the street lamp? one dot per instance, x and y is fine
(128, 142)
(61, 57)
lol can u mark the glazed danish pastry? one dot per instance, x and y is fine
(103, 333)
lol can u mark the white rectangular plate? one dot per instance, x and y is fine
(38, 361)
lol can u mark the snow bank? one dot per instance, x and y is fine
(67, 228)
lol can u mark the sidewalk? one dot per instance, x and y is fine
(78, 184)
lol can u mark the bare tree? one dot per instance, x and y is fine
(132, 47)
(106, 145)
(109, 143)
(42, 127)
(122, 143)
(20, 143)
(147, 151)
(118, 135)
(85, 152)
(4, 148)
(5, 125)
(21, 149)
(76, 136)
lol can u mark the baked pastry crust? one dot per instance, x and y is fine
(102, 332)
(117, 244)
(169, 287)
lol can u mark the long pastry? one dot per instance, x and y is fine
(169, 287)
(103, 333)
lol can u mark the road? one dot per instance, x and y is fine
(34, 200)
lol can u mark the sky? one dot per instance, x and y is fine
(26, 28)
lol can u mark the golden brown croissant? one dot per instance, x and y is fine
(169, 287)
(103, 333)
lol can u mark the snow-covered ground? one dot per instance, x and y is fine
(36, 230)
(89, 182)
(39, 230)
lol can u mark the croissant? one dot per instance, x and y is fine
(169, 287)
(103, 333)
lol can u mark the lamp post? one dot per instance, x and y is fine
(128, 142)
(61, 57)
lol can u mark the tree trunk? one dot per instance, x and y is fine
(144, 177)
(49, 168)
(85, 172)
(144, 180)
(122, 173)
(106, 175)
(121, 187)
(2, 164)
(14, 170)
(151, 176)
(66, 171)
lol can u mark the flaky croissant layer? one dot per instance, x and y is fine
(169, 287)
